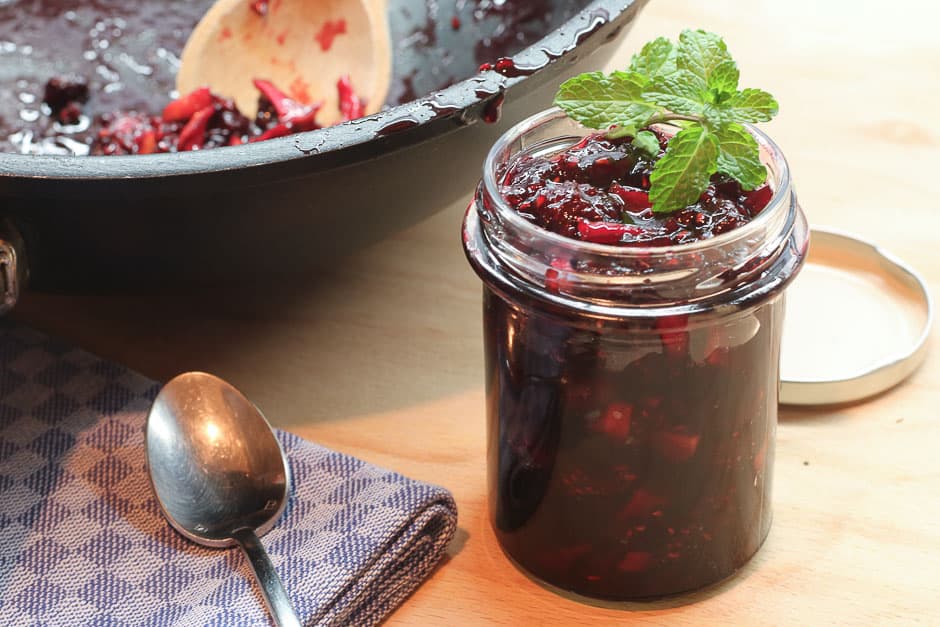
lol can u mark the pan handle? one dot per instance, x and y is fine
(13, 268)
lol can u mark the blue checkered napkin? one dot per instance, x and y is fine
(82, 541)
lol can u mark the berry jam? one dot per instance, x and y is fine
(631, 393)
(598, 191)
(629, 461)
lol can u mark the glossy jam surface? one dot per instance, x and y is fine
(598, 191)
(630, 460)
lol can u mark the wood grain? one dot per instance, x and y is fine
(382, 358)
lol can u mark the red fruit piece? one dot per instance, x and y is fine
(289, 111)
(194, 133)
(641, 504)
(182, 109)
(305, 122)
(147, 143)
(756, 200)
(675, 446)
(605, 232)
(121, 133)
(350, 105)
(635, 562)
(554, 281)
(675, 342)
(283, 105)
(278, 130)
(635, 199)
(615, 422)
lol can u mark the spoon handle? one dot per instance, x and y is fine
(271, 587)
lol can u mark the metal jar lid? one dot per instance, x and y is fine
(857, 323)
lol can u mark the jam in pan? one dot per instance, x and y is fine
(80, 77)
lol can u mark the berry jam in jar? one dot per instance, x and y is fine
(632, 361)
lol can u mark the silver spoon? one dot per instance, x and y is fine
(219, 473)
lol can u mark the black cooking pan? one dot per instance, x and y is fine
(294, 203)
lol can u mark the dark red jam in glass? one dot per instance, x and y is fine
(631, 388)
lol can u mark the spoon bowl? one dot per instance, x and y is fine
(218, 472)
(302, 47)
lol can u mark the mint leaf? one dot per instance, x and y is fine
(683, 173)
(723, 81)
(701, 53)
(739, 157)
(647, 142)
(716, 116)
(599, 101)
(753, 105)
(657, 58)
(681, 92)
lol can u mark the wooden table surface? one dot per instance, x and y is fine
(382, 359)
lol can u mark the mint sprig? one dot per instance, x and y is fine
(694, 84)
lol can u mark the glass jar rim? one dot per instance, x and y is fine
(778, 202)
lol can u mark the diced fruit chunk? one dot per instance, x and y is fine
(675, 446)
(350, 105)
(635, 562)
(634, 199)
(758, 199)
(605, 232)
(673, 335)
(193, 134)
(182, 109)
(615, 421)
(641, 504)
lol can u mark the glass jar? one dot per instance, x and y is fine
(631, 392)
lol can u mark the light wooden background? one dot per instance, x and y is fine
(383, 360)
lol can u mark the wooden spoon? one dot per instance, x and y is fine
(302, 46)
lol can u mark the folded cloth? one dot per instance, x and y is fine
(83, 542)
